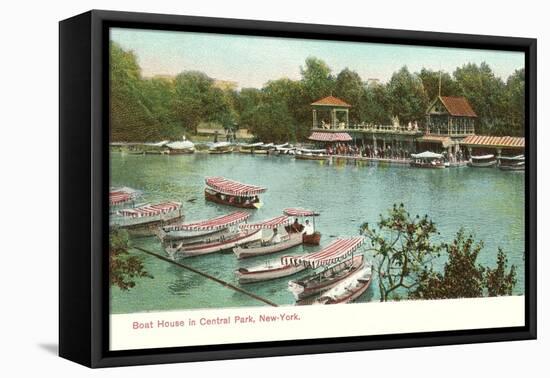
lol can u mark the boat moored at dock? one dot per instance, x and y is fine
(267, 271)
(202, 231)
(278, 240)
(512, 163)
(340, 264)
(349, 289)
(145, 220)
(427, 159)
(482, 161)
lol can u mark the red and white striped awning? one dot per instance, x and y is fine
(330, 137)
(334, 252)
(116, 198)
(233, 188)
(150, 210)
(211, 224)
(299, 212)
(268, 223)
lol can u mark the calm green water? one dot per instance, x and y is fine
(486, 202)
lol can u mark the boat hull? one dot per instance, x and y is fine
(324, 281)
(313, 239)
(217, 246)
(245, 276)
(311, 157)
(244, 253)
(511, 168)
(348, 290)
(428, 165)
(147, 226)
(213, 198)
(488, 164)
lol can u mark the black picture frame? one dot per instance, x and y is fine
(84, 181)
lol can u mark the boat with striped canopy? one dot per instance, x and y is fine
(206, 230)
(122, 197)
(146, 219)
(349, 289)
(268, 270)
(233, 193)
(339, 263)
(279, 239)
(313, 238)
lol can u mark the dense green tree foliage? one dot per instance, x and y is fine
(124, 268)
(151, 109)
(404, 252)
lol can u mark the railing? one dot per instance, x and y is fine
(402, 129)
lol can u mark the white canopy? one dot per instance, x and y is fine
(427, 155)
(181, 145)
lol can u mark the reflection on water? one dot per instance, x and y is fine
(486, 202)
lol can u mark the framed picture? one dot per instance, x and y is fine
(234, 188)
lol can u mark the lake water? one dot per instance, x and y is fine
(487, 202)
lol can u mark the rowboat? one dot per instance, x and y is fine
(183, 147)
(221, 148)
(146, 219)
(267, 271)
(309, 239)
(349, 289)
(249, 148)
(512, 163)
(307, 154)
(483, 161)
(232, 193)
(276, 229)
(225, 242)
(340, 266)
(202, 231)
(427, 159)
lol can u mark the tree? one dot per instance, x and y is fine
(350, 88)
(131, 120)
(402, 249)
(377, 104)
(515, 99)
(430, 82)
(407, 96)
(486, 94)
(498, 281)
(461, 276)
(317, 80)
(123, 267)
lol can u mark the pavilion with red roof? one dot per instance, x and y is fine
(452, 116)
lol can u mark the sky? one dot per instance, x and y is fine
(252, 61)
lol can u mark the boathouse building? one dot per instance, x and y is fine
(449, 126)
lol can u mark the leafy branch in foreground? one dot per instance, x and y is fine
(402, 250)
(404, 256)
(123, 267)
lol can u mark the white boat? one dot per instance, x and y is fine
(339, 266)
(308, 154)
(146, 219)
(276, 229)
(122, 197)
(512, 163)
(482, 161)
(267, 271)
(428, 159)
(226, 242)
(201, 231)
(180, 147)
(349, 289)
(220, 148)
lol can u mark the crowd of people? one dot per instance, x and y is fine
(384, 152)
